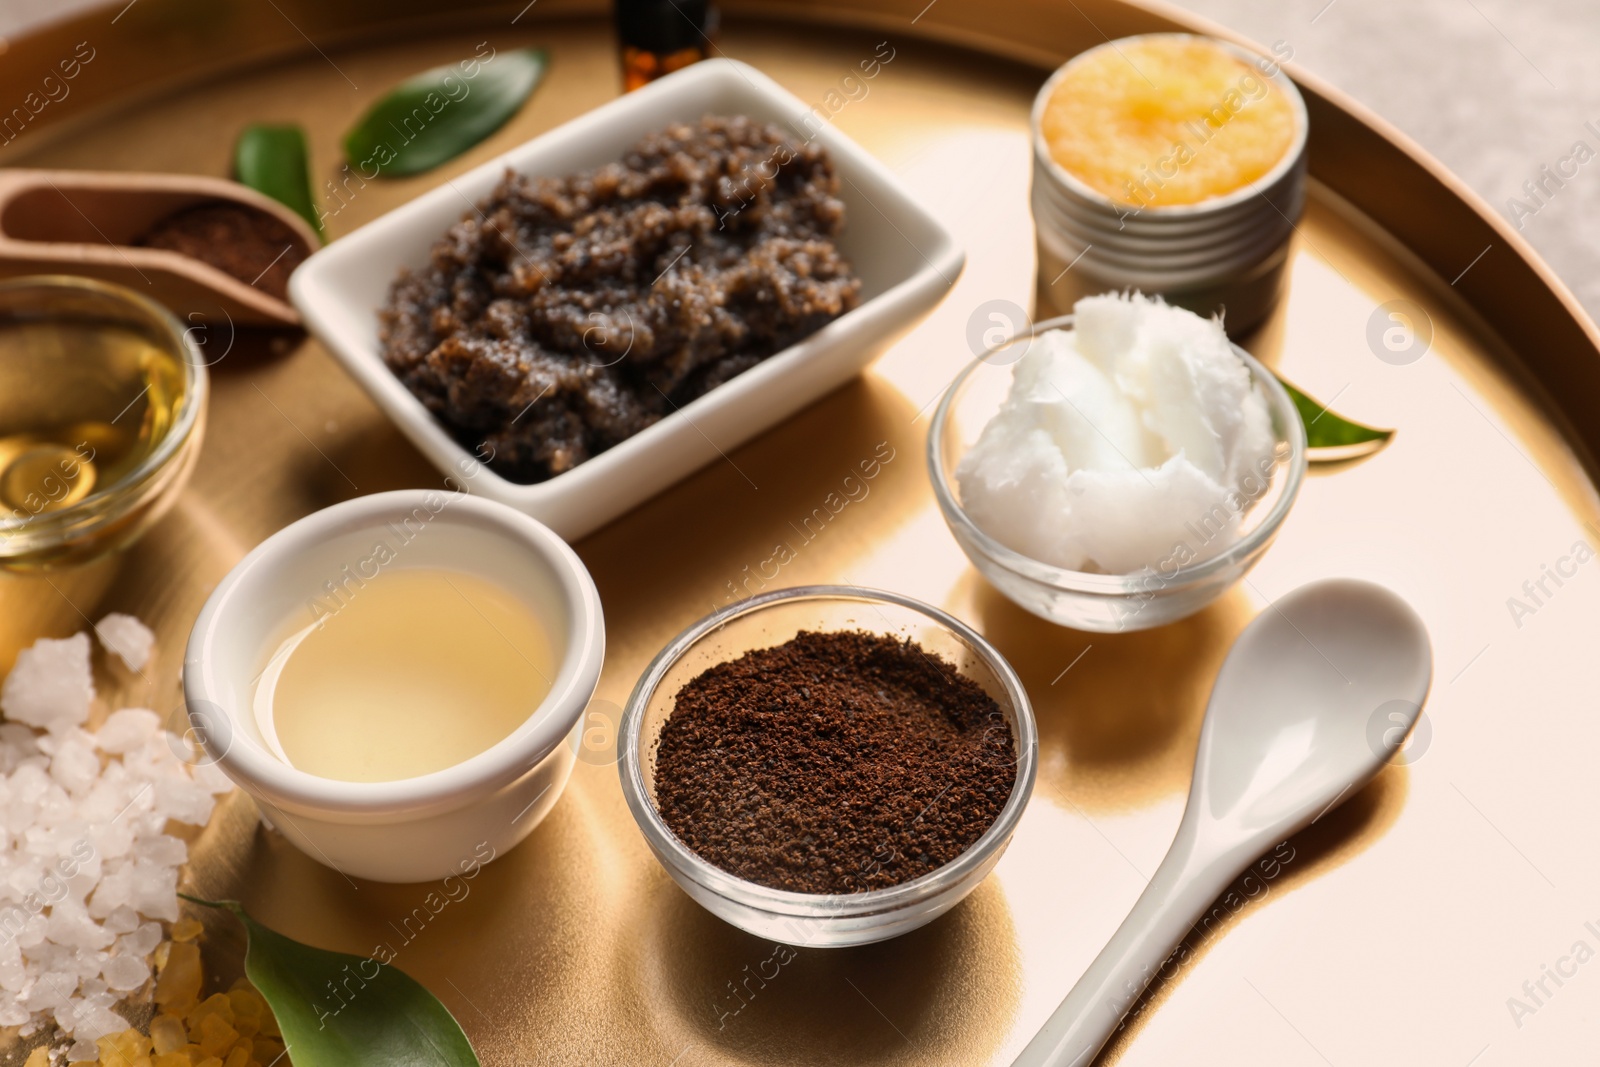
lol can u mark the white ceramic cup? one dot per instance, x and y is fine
(427, 827)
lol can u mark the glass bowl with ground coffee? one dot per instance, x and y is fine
(828, 765)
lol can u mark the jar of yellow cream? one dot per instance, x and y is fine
(1172, 164)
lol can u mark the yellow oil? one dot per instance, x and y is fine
(1162, 121)
(413, 671)
(81, 405)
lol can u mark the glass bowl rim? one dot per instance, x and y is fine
(126, 491)
(1115, 584)
(823, 905)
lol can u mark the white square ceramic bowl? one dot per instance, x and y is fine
(907, 261)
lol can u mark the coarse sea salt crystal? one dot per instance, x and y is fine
(127, 730)
(126, 638)
(76, 764)
(121, 920)
(126, 972)
(141, 941)
(155, 890)
(96, 1021)
(71, 927)
(50, 686)
(184, 800)
(210, 778)
(115, 891)
(88, 871)
(32, 933)
(49, 992)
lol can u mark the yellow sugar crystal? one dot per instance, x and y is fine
(215, 1004)
(1166, 120)
(216, 1035)
(237, 1058)
(111, 1057)
(167, 1034)
(39, 1057)
(210, 1061)
(250, 1008)
(266, 1051)
(178, 986)
(186, 930)
(163, 950)
(129, 1048)
(171, 1059)
(248, 1011)
(247, 1003)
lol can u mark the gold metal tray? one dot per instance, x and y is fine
(1392, 931)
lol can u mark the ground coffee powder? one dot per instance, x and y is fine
(833, 763)
(249, 245)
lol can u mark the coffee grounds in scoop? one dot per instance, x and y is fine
(833, 763)
(247, 244)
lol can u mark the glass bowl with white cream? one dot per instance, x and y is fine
(1118, 468)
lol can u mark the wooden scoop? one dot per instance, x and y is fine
(85, 222)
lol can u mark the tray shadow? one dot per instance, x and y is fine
(1119, 714)
(798, 503)
(947, 991)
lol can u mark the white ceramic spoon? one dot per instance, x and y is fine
(1286, 737)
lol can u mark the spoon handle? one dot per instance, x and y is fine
(1176, 897)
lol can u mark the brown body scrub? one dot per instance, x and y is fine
(243, 243)
(833, 763)
(564, 315)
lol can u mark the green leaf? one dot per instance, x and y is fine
(1332, 437)
(439, 114)
(338, 1010)
(273, 160)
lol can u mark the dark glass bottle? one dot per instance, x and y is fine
(661, 36)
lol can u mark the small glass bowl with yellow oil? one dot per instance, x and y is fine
(102, 408)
